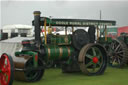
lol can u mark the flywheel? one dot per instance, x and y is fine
(80, 38)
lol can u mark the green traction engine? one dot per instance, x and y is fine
(77, 51)
(118, 51)
(117, 48)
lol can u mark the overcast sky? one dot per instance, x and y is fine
(21, 12)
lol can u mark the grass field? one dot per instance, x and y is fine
(112, 76)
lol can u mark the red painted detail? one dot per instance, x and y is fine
(42, 30)
(53, 29)
(95, 59)
(122, 29)
(36, 57)
(6, 70)
(112, 36)
(25, 42)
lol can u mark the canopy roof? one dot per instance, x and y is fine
(75, 22)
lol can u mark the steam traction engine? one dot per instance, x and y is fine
(77, 51)
(6, 70)
(118, 51)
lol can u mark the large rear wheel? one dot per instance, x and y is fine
(6, 70)
(93, 59)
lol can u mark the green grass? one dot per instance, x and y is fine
(112, 76)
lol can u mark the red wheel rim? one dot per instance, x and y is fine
(5, 68)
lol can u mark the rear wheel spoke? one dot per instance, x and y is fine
(89, 56)
(94, 52)
(98, 63)
(98, 56)
(89, 64)
(94, 67)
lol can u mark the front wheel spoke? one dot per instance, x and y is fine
(6, 77)
(2, 61)
(89, 64)
(28, 72)
(0, 81)
(3, 77)
(6, 67)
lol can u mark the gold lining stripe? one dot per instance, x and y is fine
(55, 52)
(66, 39)
(69, 51)
(45, 29)
(61, 52)
(36, 14)
(49, 53)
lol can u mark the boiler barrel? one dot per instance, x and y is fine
(54, 52)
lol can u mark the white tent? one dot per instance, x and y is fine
(17, 26)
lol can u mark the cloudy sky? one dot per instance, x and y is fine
(21, 12)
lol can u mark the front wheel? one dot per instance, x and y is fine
(93, 59)
(6, 70)
(34, 74)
